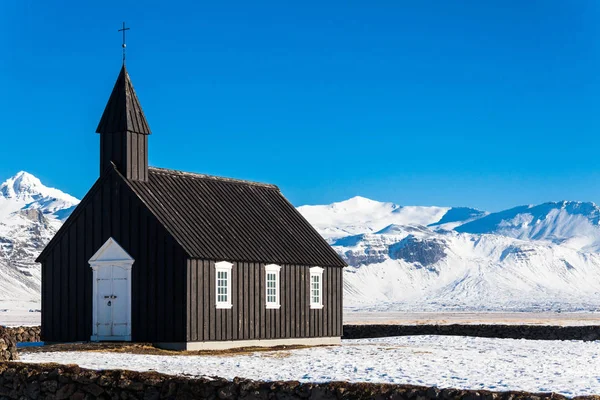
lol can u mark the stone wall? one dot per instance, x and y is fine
(52, 381)
(8, 345)
(9, 337)
(535, 332)
(26, 333)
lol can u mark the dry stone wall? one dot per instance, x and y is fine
(8, 345)
(533, 332)
(26, 333)
(52, 381)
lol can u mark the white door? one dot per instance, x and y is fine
(112, 300)
(112, 292)
(120, 302)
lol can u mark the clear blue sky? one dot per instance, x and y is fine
(487, 104)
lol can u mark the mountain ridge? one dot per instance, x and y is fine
(572, 223)
(533, 257)
(527, 258)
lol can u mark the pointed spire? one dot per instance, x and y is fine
(123, 112)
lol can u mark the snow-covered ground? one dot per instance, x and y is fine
(360, 317)
(17, 313)
(567, 367)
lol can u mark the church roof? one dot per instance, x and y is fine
(123, 112)
(227, 219)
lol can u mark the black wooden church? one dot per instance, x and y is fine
(184, 260)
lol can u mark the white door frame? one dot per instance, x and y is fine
(110, 254)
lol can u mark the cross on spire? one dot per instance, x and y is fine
(124, 43)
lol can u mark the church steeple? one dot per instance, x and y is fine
(124, 131)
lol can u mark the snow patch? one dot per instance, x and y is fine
(442, 361)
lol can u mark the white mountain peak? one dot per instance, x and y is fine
(23, 183)
(359, 202)
(362, 215)
(24, 191)
(26, 187)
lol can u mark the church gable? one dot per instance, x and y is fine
(75, 215)
(109, 210)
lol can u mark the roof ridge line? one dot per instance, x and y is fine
(212, 177)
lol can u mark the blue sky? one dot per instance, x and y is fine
(484, 104)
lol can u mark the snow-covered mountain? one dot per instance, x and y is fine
(361, 215)
(544, 257)
(30, 214)
(573, 224)
(434, 258)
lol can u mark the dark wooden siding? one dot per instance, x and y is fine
(137, 156)
(249, 319)
(158, 294)
(129, 152)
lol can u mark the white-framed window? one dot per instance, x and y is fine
(272, 285)
(316, 287)
(223, 284)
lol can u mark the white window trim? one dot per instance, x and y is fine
(316, 271)
(270, 269)
(223, 266)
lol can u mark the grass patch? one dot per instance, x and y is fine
(149, 349)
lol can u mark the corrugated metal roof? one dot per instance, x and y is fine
(226, 219)
(123, 112)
